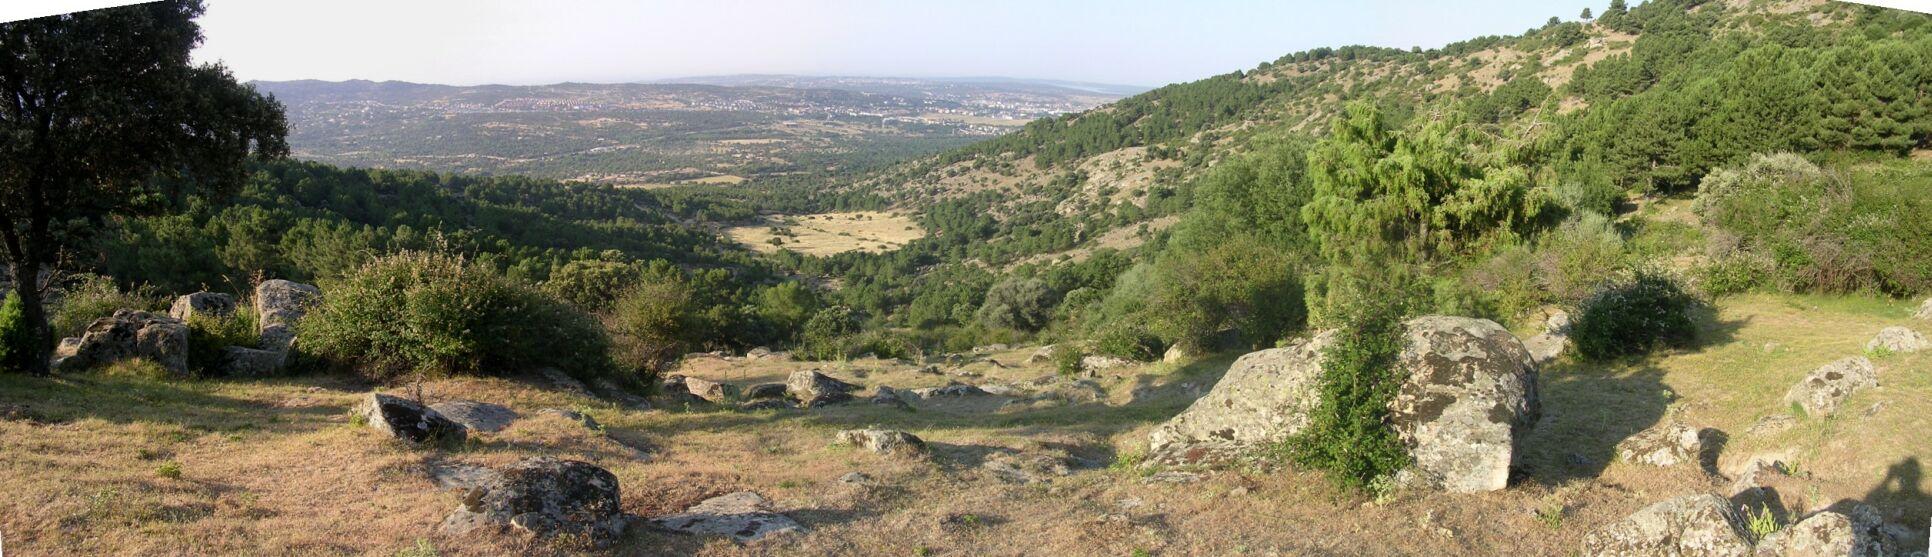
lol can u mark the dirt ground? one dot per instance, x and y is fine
(829, 233)
(277, 467)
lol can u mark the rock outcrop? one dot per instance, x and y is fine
(744, 516)
(1666, 444)
(1103, 362)
(406, 420)
(544, 496)
(128, 334)
(1555, 338)
(1826, 388)
(813, 389)
(1689, 526)
(883, 441)
(1469, 395)
(480, 416)
(1897, 340)
(212, 304)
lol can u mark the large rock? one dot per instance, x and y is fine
(1689, 526)
(279, 306)
(1827, 387)
(242, 361)
(1668, 443)
(406, 420)
(883, 441)
(813, 389)
(1897, 340)
(212, 304)
(544, 496)
(1104, 362)
(744, 516)
(1925, 310)
(763, 391)
(1468, 396)
(128, 334)
(480, 416)
(708, 390)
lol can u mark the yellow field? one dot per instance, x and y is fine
(829, 233)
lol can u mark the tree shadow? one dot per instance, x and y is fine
(190, 404)
(1587, 411)
(1712, 329)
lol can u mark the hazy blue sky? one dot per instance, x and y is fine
(1120, 41)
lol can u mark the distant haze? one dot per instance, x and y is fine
(1135, 42)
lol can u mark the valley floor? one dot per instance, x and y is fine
(103, 464)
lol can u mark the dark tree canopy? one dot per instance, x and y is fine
(104, 113)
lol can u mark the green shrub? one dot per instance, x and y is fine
(434, 314)
(1017, 303)
(92, 297)
(1827, 231)
(18, 343)
(1069, 359)
(1634, 316)
(1349, 434)
(208, 335)
(824, 335)
(592, 284)
(654, 324)
(1128, 342)
(1575, 258)
(1731, 275)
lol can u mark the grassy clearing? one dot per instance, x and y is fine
(829, 233)
(124, 463)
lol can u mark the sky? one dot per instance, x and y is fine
(521, 42)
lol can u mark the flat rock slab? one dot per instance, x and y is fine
(480, 416)
(1827, 387)
(744, 516)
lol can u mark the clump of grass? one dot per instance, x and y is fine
(170, 470)
(1763, 523)
(1069, 360)
(422, 549)
(208, 335)
(1349, 434)
(1551, 516)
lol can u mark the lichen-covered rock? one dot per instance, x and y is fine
(883, 441)
(1103, 362)
(544, 496)
(888, 396)
(744, 516)
(128, 334)
(279, 306)
(1666, 444)
(1178, 354)
(480, 416)
(212, 304)
(406, 420)
(1897, 340)
(1827, 387)
(1823, 534)
(1925, 310)
(1264, 397)
(813, 389)
(1468, 396)
(1689, 526)
(1043, 355)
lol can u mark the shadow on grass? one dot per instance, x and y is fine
(1587, 410)
(191, 404)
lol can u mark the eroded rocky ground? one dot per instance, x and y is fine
(1010, 458)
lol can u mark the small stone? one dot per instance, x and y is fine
(883, 441)
(1666, 444)
(708, 390)
(855, 478)
(744, 516)
(1238, 491)
(575, 416)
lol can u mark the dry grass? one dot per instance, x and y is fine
(829, 233)
(276, 467)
